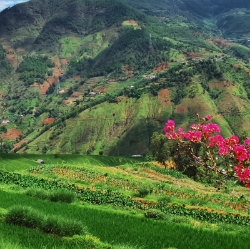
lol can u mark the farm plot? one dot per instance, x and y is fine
(133, 199)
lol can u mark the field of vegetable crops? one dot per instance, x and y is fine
(120, 202)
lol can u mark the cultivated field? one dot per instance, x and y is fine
(74, 201)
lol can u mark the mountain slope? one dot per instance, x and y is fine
(97, 76)
(225, 17)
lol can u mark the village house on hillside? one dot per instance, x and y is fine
(5, 121)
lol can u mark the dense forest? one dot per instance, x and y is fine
(34, 69)
(132, 49)
(5, 66)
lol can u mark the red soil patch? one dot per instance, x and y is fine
(17, 145)
(44, 87)
(9, 49)
(11, 134)
(76, 94)
(11, 55)
(48, 121)
(36, 84)
(58, 69)
(162, 66)
(220, 42)
(11, 58)
(52, 80)
(164, 98)
(64, 61)
(77, 78)
(203, 108)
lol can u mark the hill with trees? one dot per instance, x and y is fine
(101, 76)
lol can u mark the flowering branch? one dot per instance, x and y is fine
(206, 134)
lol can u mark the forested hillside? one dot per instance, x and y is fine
(100, 76)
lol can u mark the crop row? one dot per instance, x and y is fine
(88, 176)
(92, 177)
(101, 197)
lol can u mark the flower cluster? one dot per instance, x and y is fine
(207, 135)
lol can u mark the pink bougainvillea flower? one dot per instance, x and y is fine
(223, 151)
(212, 128)
(241, 153)
(193, 136)
(181, 133)
(194, 127)
(169, 126)
(243, 174)
(247, 142)
(208, 117)
(233, 140)
(216, 140)
(169, 135)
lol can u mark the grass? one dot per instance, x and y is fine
(22, 162)
(121, 226)
(69, 46)
(118, 227)
(15, 237)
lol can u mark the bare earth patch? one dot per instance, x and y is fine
(11, 134)
(64, 61)
(44, 87)
(48, 121)
(72, 99)
(164, 98)
(52, 80)
(58, 69)
(162, 66)
(17, 145)
(203, 108)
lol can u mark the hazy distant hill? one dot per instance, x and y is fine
(227, 17)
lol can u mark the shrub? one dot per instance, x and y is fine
(144, 190)
(165, 199)
(3, 212)
(62, 196)
(155, 214)
(62, 227)
(38, 193)
(30, 218)
(90, 241)
(23, 216)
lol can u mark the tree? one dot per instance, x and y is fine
(161, 148)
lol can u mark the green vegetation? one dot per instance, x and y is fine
(116, 219)
(30, 218)
(131, 49)
(5, 66)
(141, 81)
(34, 69)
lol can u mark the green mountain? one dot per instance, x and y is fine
(100, 76)
(221, 17)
